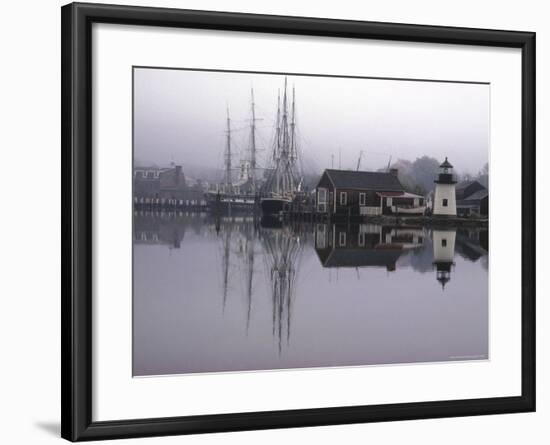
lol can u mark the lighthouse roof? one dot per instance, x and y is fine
(446, 164)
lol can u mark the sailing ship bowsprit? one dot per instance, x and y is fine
(284, 181)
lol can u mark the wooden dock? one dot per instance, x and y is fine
(168, 205)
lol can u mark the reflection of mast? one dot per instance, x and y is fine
(225, 263)
(228, 154)
(283, 249)
(250, 275)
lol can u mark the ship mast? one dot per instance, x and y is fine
(253, 142)
(285, 145)
(283, 180)
(277, 148)
(228, 155)
(293, 154)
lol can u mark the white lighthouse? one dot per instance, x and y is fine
(444, 202)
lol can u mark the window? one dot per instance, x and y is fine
(321, 237)
(445, 202)
(322, 200)
(443, 242)
(362, 199)
(361, 239)
(343, 198)
(342, 238)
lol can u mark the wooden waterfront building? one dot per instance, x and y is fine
(361, 193)
(472, 198)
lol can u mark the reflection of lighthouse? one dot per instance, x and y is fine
(444, 251)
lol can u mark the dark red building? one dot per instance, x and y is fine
(361, 193)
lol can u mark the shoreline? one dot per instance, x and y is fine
(429, 221)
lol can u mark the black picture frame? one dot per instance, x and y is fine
(76, 249)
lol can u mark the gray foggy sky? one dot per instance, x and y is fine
(180, 116)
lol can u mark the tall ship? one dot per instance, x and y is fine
(284, 181)
(240, 186)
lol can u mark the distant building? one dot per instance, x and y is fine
(472, 199)
(354, 193)
(147, 181)
(444, 201)
(467, 188)
(164, 183)
(172, 184)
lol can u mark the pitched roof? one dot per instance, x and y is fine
(364, 180)
(480, 194)
(464, 184)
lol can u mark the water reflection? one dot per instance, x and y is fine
(364, 245)
(283, 248)
(261, 282)
(444, 253)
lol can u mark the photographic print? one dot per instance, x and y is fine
(285, 221)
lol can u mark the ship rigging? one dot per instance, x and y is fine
(284, 181)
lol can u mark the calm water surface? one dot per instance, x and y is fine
(232, 294)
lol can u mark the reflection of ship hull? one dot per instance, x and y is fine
(274, 206)
(271, 222)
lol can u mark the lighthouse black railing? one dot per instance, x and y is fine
(445, 178)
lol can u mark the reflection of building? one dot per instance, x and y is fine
(444, 252)
(363, 245)
(472, 199)
(444, 202)
(472, 244)
(349, 193)
(158, 230)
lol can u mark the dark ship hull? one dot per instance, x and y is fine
(274, 206)
(226, 202)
